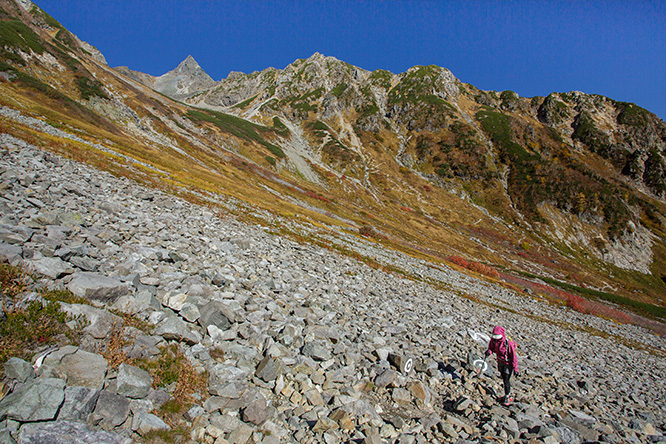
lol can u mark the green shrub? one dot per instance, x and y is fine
(50, 21)
(279, 126)
(17, 35)
(339, 89)
(38, 324)
(245, 103)
(89, 88)
(275, 150)
(632, 115)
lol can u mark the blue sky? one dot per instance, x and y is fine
(608, 47)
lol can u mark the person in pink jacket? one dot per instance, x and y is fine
(507, 359)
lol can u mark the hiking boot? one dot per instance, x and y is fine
(508, 400)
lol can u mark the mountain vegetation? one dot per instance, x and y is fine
(568, 188)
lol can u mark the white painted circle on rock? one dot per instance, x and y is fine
(408, 365)
(480, 365)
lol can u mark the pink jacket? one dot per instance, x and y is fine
(504, 349)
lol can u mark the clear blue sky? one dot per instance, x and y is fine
(616, 48)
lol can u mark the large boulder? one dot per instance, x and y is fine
(111, 410)
(79, 403)
(51, 267)
(97, 287)
(37, 400)
(100, 322)
(84, 369)
(67, 432)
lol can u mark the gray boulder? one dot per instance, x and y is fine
(267, 370)
(79, 403)
(97, 287)
(213, 313)
(147, 422)
(84, 369)
(67, 432)
(38, 400)
(10, 253)
(111, 410)
(6, 437)
(256, 412)
(51, 267)
(133, 382)
(100, 322)
(316, 351)
(175, 329)
(18, 369)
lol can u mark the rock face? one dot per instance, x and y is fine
(299, 344)
(187, 79)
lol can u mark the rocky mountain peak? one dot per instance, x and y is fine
(188, 78)
(188, 65)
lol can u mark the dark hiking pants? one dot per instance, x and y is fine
(506, 371)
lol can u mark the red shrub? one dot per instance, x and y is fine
(483, 269)
(458, 261)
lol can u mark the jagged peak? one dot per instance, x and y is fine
(188, 64)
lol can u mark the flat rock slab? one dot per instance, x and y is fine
(84, 369)
(67, 432)
(51, 267)
(38, 400)
(100, 322)
(97, 287)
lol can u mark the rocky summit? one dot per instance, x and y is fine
(295, 342)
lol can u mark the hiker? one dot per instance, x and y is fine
(507, 359)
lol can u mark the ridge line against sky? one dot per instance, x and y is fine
(608, 47)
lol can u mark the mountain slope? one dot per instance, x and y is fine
(569, 187)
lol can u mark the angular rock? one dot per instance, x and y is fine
(100, 322)
(79, 403)
(175, 329)
(51, 267)
(256, 412)
(420, 392)
(133, 382)
(37, 400)
(388, 378)
(213, 313)
(190, 312)
(267, 370)
(19, 370)
(110, 411)
(97, 287)
(12, 254)
(147, 422)
(403, 363)
(401, 396)
(67, 432)
(6, 437)
(316, 351)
